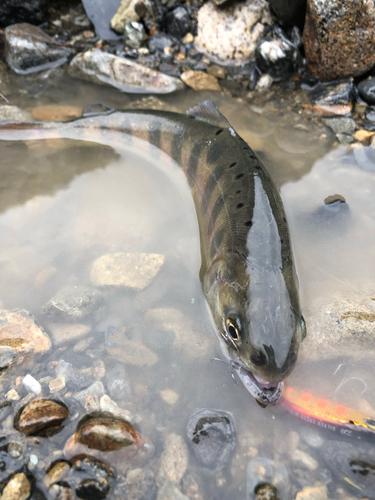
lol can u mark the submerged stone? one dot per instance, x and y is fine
(128, 270)
(28, 49)
(173, 461)
(19, 335)
(169, 491)
(123, 74)
(335, 33)
(230, 34)
(91, 489)
(41, 417)
(63, 333)
(17, 488)
(263, 471)
(199, 80)
(318, 492)
(212, 436)
(14, 114)
(56, 473)
(106, 433)
(73, 303)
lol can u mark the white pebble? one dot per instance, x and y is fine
(34, 459)
(31, 385)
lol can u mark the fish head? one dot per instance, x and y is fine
(259, 322)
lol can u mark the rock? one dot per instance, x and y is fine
(160, 42)
(63, 333)
(332, 217)
(134, 34)
(335, 33)
(109, 406)
(20, 335)
(98, 478)
(53, 113)
(178, 22)
(14, 114)
(12, 395)
(186, 339)
(18, 11)
(264, 83)
(277, 56)
(100, 13)
(216, 71)
(173, 460)
(169, 396)
(199, 80)
(318, 492)
(104, 432)
(31, 385)
(73, 303)
(266, 491)
(140, 484)
(95, 389)
(128, 270)
(132, 352)
(366, 90)
(341, 126)
(212, 436)
(290, 12)
(61, 492)
(57, 473)
(230, 34)
(123, 74)
(363, 135)
(125, 13)
(334, 98)
(303, 459)
(117, 382)
(56, 385)
(91, 488)
(28, 49)
(18, 488)
(263, 470)
(41, 417)
(169, 491)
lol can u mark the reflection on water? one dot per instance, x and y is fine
(147, 356)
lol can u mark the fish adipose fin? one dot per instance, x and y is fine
(206, 111)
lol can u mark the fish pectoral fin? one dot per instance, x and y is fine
(206, 111)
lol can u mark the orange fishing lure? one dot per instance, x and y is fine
(326, 414)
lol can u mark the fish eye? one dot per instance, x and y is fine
(258, 358)
(303, 327)
(233, 329)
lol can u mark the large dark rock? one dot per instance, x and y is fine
(290, 12)
(18, 11)
(178, 22)
(277, 56)
(366, 90)
(339, 38)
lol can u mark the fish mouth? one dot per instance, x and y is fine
(264, 392)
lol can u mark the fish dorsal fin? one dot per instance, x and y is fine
(206, 111)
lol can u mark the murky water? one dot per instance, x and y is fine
(65, 203)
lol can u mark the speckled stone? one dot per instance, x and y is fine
(173, 461)
(230, 34)
(199, 80)
(18, 488)
(335, 34)
(41, 417)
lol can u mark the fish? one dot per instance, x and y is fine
(327, 413)
(247, 269)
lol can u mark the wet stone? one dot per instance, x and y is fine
(19, 335)
(139, 484)
(266, 492)
(261, 471)
(41, 417)
(318, 492)
(345, 126)
(63, 333)
(199, 80)
(126, 12)
(95, 389)
(31, 385)
(117, 383)
(134, 34)
(178, 22)
(18, 11)
(128, 270)
(212, 436)
(123, 74)
(366, 90)
(28, 49)
(334, 98)
(91, 489)
(106, 433)
(61, 492)
(303, 459)
(18, 488)
(173, 461)
(73, 304)
(277, 56)
(56, 473)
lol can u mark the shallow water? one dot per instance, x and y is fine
(66, 202)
